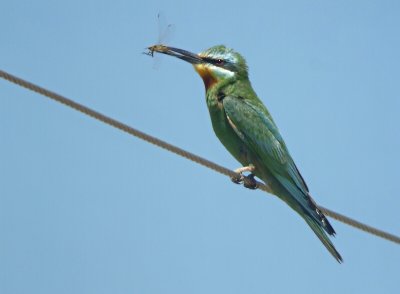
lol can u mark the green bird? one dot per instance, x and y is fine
(245, 127)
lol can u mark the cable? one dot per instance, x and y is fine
(188, 155)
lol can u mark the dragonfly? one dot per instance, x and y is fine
(165, 31)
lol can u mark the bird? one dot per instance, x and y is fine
(247, 130)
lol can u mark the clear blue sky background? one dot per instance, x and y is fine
(85, 208)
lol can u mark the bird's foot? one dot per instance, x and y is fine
(248, 181)
(237, 179)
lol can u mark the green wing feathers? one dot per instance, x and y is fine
(261, 136)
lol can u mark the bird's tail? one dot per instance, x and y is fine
(318, 230)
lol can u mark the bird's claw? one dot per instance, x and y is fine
(248, 181)
(237, 179)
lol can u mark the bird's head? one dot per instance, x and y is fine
(214, 65)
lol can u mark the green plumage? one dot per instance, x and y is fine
(246, 129)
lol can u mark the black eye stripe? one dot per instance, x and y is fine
(214, 61)
(207, 59)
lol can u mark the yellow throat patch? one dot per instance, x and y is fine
(206, 74)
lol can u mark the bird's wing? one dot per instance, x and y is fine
(255, 127)
(262, 137)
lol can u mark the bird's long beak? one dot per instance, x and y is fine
(199, 62)
(179, 53)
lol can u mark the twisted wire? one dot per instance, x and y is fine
(174, 149)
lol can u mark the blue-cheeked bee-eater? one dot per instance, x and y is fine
(245, 127)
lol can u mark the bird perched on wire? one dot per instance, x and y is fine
(246, 129)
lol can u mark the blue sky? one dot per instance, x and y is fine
(85, 208)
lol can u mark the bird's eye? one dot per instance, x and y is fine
(219, 61)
